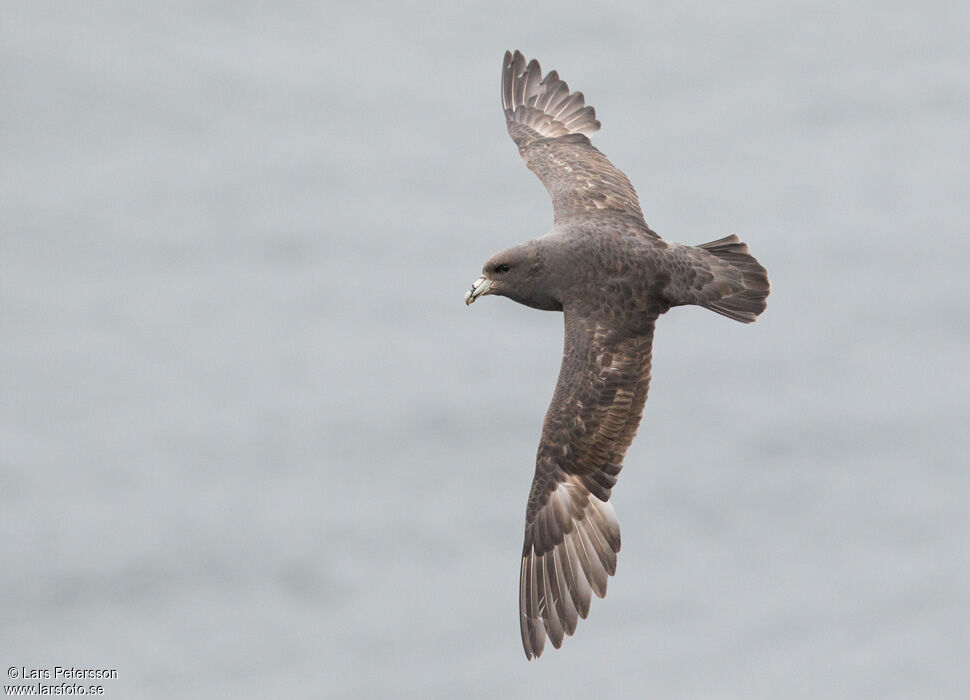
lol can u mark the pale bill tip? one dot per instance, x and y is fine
(479, 287)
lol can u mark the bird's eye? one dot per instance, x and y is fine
(504, 267)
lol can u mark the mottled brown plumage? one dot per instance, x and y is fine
(612, 277)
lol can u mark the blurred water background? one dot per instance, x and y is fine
(252, 443)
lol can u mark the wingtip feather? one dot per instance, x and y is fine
(543, 104)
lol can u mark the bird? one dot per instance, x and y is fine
(611, 277)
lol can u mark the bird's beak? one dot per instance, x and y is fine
(481, 287)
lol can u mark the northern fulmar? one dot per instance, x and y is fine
(611, 276)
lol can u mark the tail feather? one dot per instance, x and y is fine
(746, 304)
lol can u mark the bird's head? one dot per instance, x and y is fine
(519, 274)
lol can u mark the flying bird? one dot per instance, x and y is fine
(611, 276)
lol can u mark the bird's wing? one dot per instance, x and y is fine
(550, 126)
(571, 532)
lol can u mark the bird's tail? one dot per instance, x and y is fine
(750, 300)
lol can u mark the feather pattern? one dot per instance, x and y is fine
(572, 535)
(551, 127)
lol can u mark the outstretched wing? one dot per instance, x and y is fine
(571, 532)
(550, 126)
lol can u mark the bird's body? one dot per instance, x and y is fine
(612, 277)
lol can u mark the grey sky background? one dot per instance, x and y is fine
(252, 443)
